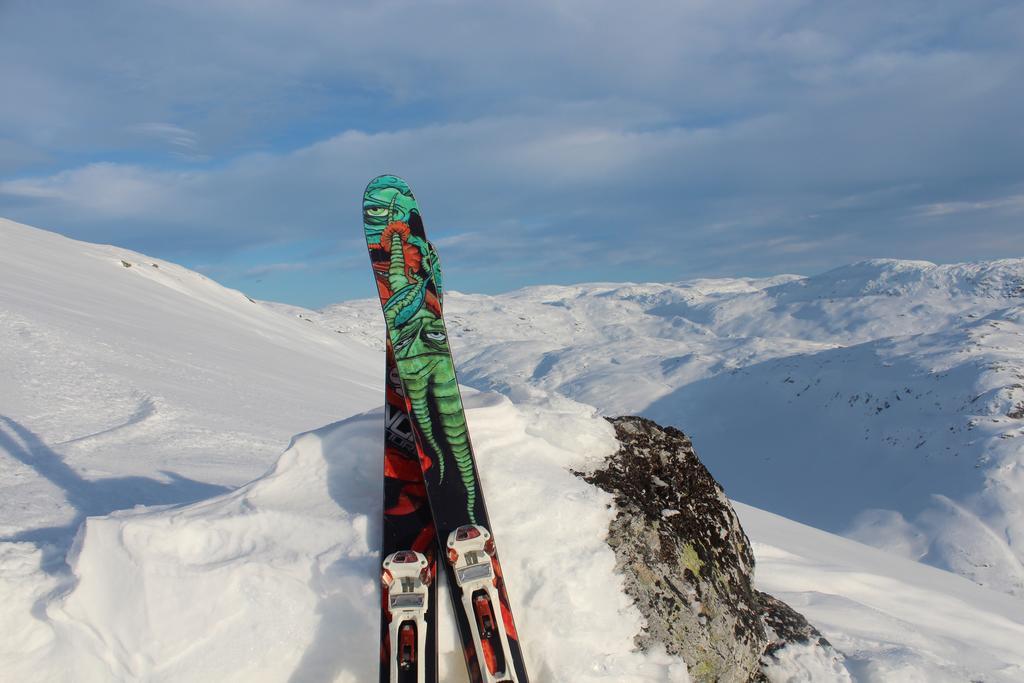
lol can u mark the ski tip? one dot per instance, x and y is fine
(387, 180)
(387, 199)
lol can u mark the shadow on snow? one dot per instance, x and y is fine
(89, 498)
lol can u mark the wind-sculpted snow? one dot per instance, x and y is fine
(884, 399)
(277, 580)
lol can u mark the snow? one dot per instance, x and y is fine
(882, 400)
(157, 525)
(148, 384)
(280, 576)
(894, 619)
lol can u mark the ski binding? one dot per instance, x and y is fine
(471, 554)
(405, 576)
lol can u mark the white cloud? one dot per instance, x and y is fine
(687, 128)
(183, 142)
(102, 190)
(1012, 204)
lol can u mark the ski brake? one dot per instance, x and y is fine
(405, 576)
(471, 553)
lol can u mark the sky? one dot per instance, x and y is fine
(548, 141)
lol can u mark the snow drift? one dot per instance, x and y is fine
(278, 579)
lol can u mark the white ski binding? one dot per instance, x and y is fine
(405, 576)
(470, 552)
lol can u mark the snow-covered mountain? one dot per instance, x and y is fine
(129, 380)
(883, 400)
(139, 398)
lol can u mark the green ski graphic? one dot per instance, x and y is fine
(411, 294)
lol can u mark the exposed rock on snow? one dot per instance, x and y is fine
(687, 562)
(795, 647)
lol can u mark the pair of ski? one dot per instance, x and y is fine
(432, 494)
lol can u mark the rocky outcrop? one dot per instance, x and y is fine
(687, 562)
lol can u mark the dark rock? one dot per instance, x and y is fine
(788, 625)
(688, 564)
(793, 638)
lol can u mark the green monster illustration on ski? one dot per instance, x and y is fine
(407, 272)
(412, 309)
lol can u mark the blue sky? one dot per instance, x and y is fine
(547, 141)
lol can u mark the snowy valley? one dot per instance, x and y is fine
(882, 400)
(156, 524)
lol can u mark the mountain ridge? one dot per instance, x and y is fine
(918, 368)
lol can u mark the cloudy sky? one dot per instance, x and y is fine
(548, 141)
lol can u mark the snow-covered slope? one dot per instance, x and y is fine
(894, 619)
(277, 580)
(882, 399)
(129, 380)
(153, 386)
